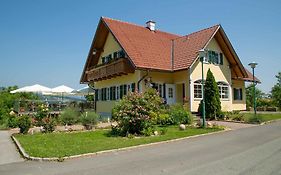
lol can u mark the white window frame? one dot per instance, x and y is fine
(197, 83)
(222, 85)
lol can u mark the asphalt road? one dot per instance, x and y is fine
(255, 150)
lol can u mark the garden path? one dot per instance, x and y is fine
(8, 151)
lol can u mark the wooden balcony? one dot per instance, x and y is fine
(119, 67)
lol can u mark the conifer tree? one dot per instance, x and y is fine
(212, 98)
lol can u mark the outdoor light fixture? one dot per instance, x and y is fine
(202, 55)
(94, 51)
(253, 66)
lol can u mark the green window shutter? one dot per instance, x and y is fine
(221, 58)
(241, 94)
(210, 56)
(121, 91)
(133, 86)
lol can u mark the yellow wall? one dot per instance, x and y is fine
(221, 73)
(106, 106)
(239, 104)
(110, 47)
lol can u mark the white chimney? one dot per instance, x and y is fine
(151, 25)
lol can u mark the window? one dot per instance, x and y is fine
(103, 94)
(121, 54)
(238, 94)
(133, 87)
(109, 58)
(117, 93)
(112, 93)
(215, 57)
(223, 90)
(115, 55)
(198, 89)
(96, 94)
(170, 93)
(102, 60)
(158, 88)
(123, 90)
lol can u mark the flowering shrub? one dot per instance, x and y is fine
(41, 113)
(48, 124)
(132, 113)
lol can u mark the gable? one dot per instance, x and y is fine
(157, 50)
(110, 46)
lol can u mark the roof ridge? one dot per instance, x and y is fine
(217, 25)
(103, 17)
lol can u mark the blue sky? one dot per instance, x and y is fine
(47, 42)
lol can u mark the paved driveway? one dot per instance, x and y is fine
(8, 151)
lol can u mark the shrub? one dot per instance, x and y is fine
(69, 116)
(89, 119)
(132, 113)
(164, 119)
(179, 115)
(12, 121)
(24, 123)
(163, 131)
(48, 124)
(41, 113)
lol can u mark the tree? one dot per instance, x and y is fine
(250, 96)
(212, 97)
(276, 91)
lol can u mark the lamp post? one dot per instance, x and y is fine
(202, 55)
(253, 66)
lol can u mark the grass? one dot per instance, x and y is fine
(67, 144)
(249, 117)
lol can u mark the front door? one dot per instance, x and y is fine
(170, 93)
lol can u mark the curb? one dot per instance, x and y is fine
(59, 159)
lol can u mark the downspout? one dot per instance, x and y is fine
(172, 55)
(142, 78)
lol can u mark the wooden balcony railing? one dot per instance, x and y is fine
(122, 66)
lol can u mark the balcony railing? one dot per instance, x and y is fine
(113, 69)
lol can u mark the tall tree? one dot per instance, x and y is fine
(250, 95)
(276, 91)
(212, 97)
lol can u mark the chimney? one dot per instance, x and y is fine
(151, 25)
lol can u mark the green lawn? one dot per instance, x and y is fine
(67, 144)
(249, 117)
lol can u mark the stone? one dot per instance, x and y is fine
(182, 127)
(155, 133)
(209, 124)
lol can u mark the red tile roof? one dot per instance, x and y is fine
(153, 50)
(146, 49)
(250, 77)
(157, 49)
(186, 48)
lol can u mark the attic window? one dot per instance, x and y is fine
(215, 57)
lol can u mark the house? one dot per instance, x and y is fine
(127, 57)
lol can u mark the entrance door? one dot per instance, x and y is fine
(170, 93)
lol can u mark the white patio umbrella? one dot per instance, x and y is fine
(84, 91)
(62, 90)
(34, 88)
